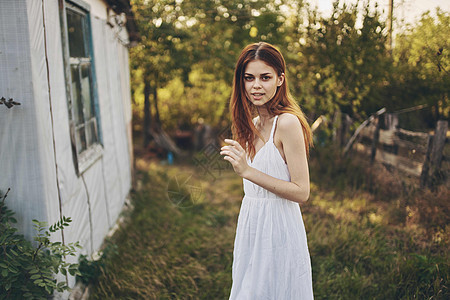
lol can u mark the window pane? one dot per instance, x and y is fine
(77, 104)
(86, 91)
(81, 139)
(76, 27)
(91, 132)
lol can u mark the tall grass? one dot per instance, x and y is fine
(373, 234)
(365, 243)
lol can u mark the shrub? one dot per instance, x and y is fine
(26, 270)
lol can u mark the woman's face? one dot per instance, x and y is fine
(261, 82)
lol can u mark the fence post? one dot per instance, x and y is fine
(434, 153)
(345, 132)
(390, 121)
(337, 127)
(438, 145)
(376, 137)
(426, 163)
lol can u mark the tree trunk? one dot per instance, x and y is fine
(147, 112)
(155, 102)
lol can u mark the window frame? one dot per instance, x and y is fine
(85, 158)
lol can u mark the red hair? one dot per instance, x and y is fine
(243, 111)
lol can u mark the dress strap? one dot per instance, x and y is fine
(273, 128)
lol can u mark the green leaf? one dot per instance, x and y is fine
(4, 272)
(48, 289)
(35, 276)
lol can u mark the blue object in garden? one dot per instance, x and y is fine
(170, 158)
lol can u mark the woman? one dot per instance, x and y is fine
(270, 257)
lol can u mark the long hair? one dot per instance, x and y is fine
(243, 111)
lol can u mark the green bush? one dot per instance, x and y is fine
(27, 271)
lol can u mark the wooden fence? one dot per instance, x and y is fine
(419, 154)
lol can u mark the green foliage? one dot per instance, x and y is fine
(181, 39)
(337, 62)
(182, 105)
(27, 271)
(422, 66)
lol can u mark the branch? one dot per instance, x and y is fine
(5, 195)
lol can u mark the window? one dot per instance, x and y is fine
(80, 80)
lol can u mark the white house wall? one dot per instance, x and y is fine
(94, 199)
(30, 140)
(98, 8)
(112, 106)
(21, 159)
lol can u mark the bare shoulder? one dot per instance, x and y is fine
(288, 122)
(290, 128)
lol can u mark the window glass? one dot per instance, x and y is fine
(81, 139)
(85, 85)
(76, 29)
(91, 132)
(77, 105)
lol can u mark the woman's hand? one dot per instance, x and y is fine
(237, 156)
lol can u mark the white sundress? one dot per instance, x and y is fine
(270, 258)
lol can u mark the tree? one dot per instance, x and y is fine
(161, 52)
(337, 64)
(180, 35)
(422, 63)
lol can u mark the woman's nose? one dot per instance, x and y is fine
(257, 83)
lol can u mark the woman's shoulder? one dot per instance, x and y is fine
(288, 125)
(288, 121)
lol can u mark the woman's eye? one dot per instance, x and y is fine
(248, 78)
(266, 77)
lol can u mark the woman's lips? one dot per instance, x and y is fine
(257, 96)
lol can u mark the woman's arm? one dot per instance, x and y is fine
(291, 135)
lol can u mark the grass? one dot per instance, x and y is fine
(367, 241)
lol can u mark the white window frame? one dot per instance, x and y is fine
(86, 155)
